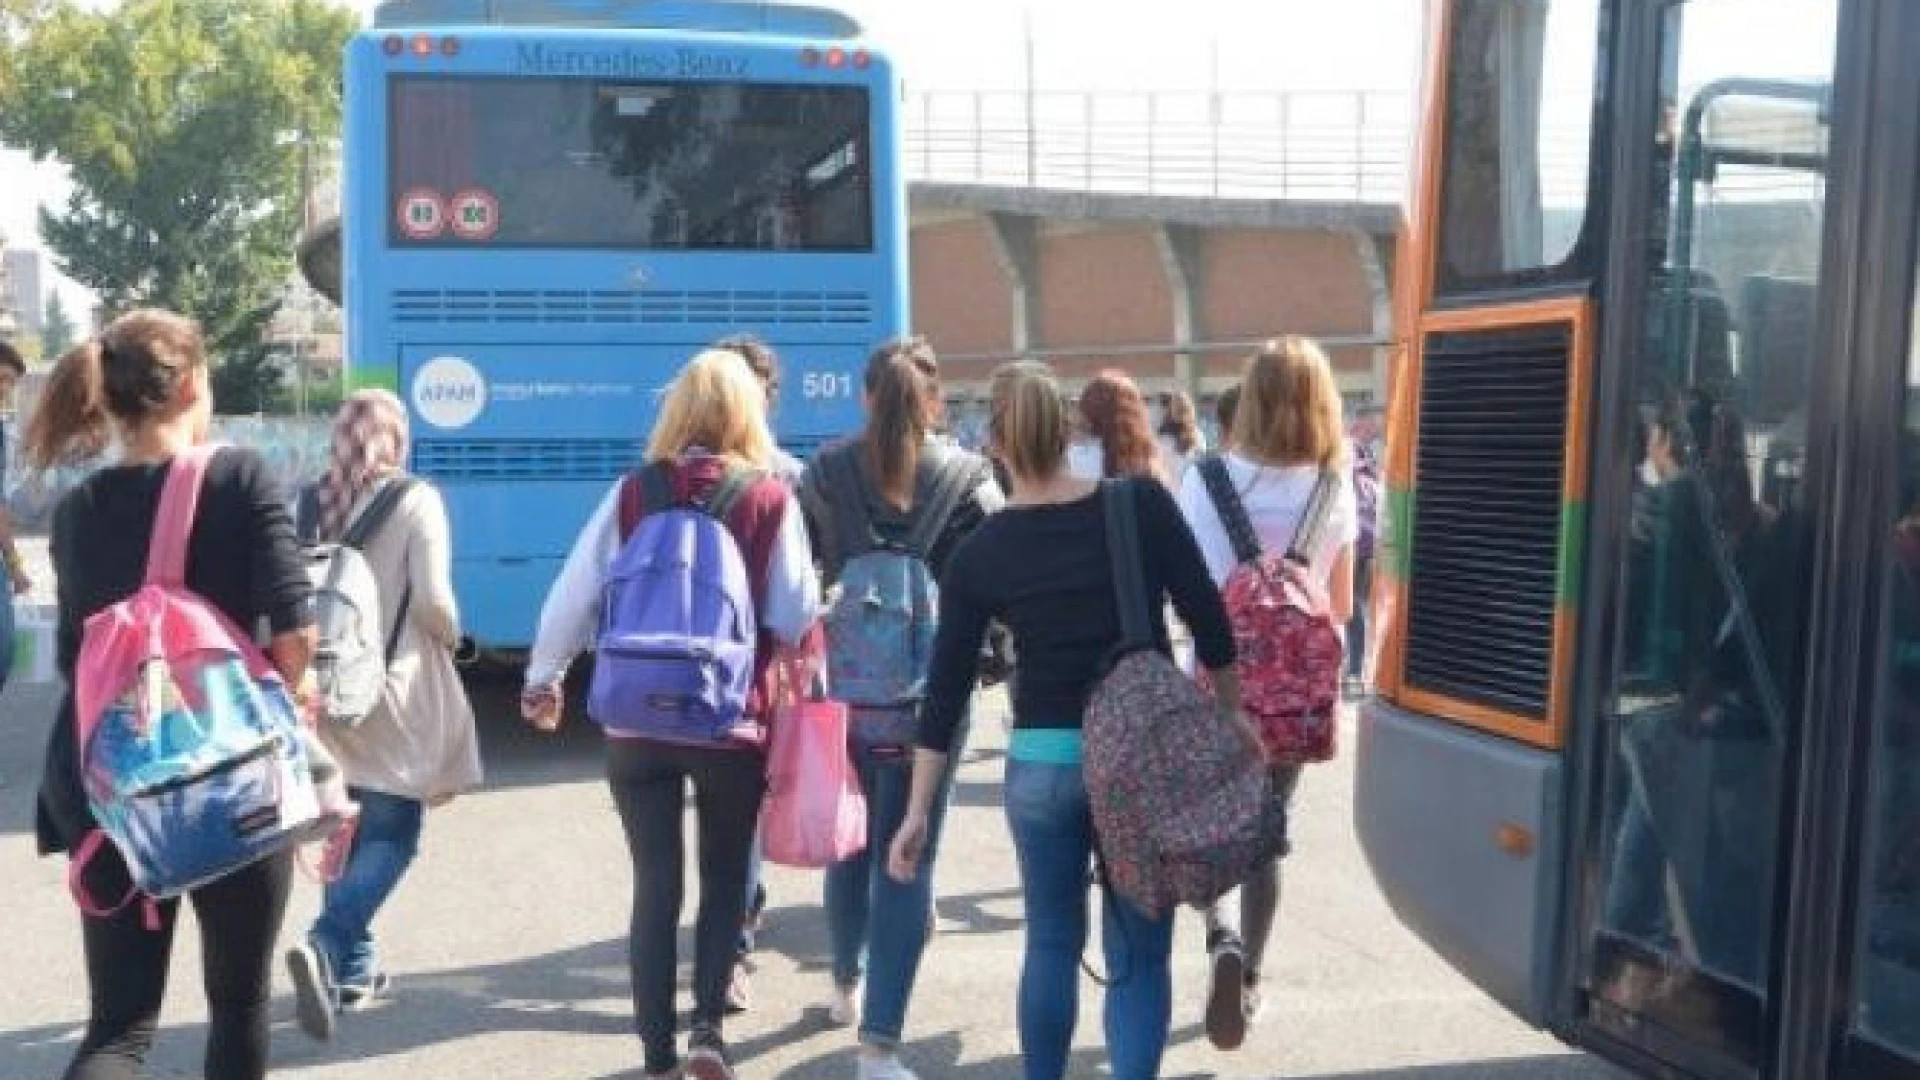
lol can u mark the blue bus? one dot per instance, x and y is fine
(548, 206)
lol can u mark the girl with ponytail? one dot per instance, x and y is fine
(142, 384)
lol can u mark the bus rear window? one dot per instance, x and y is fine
(1520, 102)
(722, 166)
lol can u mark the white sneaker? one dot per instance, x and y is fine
(843, 1009)
(887, 1067)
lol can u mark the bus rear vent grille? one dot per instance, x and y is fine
(1486, 517)
(526, 459)
(716, 308)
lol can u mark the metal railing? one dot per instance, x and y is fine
(1307, 145)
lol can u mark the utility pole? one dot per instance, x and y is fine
(1213, 111)
(1033, 137)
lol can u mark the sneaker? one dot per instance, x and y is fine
(356, 997)
(314, 998)
(843, 1009)
(884, 1067)
(739, 989)
(1226, 991)
(709, 1062)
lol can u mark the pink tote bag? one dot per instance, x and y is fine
(815, 814)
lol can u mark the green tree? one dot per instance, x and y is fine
(182, 124)
(57, 333)
(251, 378)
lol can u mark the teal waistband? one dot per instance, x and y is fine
(1046, 746)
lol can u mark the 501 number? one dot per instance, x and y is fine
(817, 385)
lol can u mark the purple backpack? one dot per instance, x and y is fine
(677, 633)
(1366, 493)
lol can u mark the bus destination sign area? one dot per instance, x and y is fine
(536, 58)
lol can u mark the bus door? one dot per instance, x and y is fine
(1872, 868)
(1881, 1036)
(1685, 878)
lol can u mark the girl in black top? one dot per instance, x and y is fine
(1041, 566)
(146, 376)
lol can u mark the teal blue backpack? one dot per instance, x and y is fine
(881, 621)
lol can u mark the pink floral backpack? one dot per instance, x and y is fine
(1183, 807)
(1291, 652)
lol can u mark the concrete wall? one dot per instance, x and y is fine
(1101, 291)
(1259, 283)
(962, 296)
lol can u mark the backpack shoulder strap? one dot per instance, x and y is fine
(173, 523)
(1232, 511)
(727, 494)
(1129, 575)
(306, 515)
(846, 492)
(644, 489)
(1306, 535)
(375, 516)
(954, 478)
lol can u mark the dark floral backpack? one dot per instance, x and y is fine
(1183, 807)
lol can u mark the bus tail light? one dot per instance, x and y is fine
(422, 45)
(836, 58)
(394, 45)
(449, 46)
(862, 60)
(810, 57)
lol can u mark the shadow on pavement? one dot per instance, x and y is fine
(1568, 1066)
(969, 910)
(583, 991)
(516, 756)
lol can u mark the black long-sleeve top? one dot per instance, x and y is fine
(1046, 573)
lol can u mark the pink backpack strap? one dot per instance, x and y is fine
(82, 857)
(173, 525)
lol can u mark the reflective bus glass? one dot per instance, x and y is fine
(641, 165)
(1713, 612)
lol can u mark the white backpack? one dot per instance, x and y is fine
(350, 666)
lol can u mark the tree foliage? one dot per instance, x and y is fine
(182, 124)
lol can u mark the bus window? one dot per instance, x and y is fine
(1709, 674)
(1889, 967)
(1520, 100)
(574, 163)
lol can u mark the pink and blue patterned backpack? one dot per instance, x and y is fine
(191, 752)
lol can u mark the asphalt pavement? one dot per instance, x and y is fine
(508, 949)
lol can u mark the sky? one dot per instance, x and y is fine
(1078, 45)
(1230, 45)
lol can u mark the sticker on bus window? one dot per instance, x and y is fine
(476, 214)
(422, 215)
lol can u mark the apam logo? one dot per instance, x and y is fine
(449, 393)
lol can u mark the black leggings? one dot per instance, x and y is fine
(239, 918)
(649, 785)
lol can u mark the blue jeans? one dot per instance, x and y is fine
(1357, 625)
(1053, 835)
(6, 627)
(878, 925)
(384, 845)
